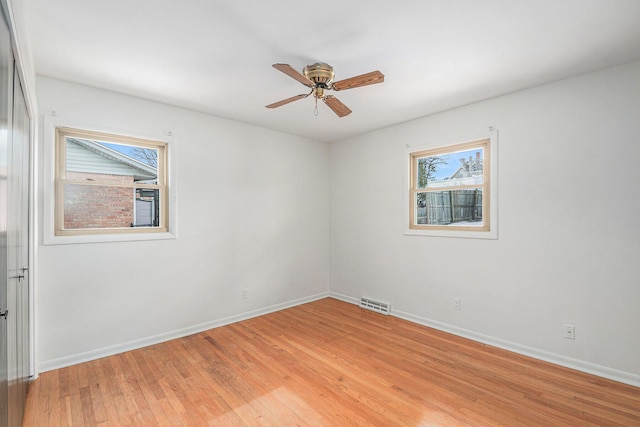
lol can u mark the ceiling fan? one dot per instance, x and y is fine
(319, 77)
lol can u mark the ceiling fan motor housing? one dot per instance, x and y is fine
(321, 74)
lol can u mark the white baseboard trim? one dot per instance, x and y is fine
(557, 359)
(74, 359)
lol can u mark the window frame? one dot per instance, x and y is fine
(53, 208)
(488, 230)
(61, 179)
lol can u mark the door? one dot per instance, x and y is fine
(15, 143)
(6, 74)
(17, 318)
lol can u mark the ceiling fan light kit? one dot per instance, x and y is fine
(319, 77)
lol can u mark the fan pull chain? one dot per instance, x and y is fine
(315, 111)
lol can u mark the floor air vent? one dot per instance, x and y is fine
(378, 307)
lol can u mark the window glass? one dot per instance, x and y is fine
(109, 183)
(447, 187)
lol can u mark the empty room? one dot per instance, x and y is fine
(290, 213)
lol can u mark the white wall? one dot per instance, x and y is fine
(569, 225)
(253, 212)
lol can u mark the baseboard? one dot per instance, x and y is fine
(179, 333)
(557, 359)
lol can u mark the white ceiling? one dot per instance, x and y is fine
(215, 56)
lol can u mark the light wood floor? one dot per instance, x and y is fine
(326, 363)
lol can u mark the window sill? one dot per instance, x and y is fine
(492, 234)
(106, 238)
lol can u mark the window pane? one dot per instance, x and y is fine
(451, 169)
(456, 207)
(96, 206)
(109, 162)
(109, 184)
(147, 207)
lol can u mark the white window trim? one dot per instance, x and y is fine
(50, 123)
(493, 192)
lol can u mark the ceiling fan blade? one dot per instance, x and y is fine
(288, 100)
(291, 72)
(358, 81)
(338, 107)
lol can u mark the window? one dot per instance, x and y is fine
(109, 184)
(449, 188)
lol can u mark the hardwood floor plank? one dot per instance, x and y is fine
(326, 363)
(106, 392)
(74, 404)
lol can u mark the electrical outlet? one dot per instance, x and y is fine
(569, 332)
(245, 293)
(457, 304)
